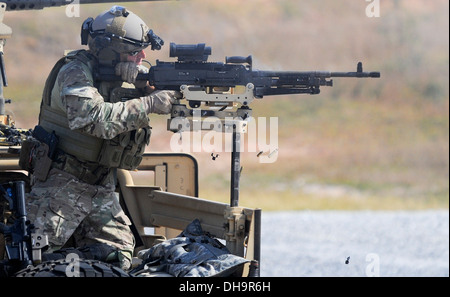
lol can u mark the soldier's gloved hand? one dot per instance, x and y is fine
(160, 102)
(128, 71)
(142, 84)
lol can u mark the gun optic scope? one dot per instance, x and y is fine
(190, 52)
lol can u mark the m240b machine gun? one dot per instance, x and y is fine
(223, 85)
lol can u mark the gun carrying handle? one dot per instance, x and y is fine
(239, 60)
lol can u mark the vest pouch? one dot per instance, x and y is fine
(131, 162)
(148, 133)
(25, 158)
(112, 150)
(146, 141)
(132, 155)
(41, 162)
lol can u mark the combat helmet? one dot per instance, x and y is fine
(117, 31)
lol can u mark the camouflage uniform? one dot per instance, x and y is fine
(75, 199)
(86, 107)
(64, 206)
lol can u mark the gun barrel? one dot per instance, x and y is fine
(355, 74)
(359, 73)
(40, 4)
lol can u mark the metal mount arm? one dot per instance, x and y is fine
(221, 120)
(212, 109)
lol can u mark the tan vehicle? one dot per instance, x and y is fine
(164, 207)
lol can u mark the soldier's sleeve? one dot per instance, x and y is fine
(87, 110)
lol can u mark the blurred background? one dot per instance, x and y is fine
(363, 144)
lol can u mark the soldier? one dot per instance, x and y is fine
(75, 202)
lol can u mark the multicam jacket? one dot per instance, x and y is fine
(92, 122)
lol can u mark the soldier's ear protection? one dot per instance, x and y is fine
(86, 31)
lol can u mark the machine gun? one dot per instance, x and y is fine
(222, 86)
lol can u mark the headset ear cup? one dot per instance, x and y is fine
(86, 30)
(108, 57)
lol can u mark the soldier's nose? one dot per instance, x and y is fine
(141, 55)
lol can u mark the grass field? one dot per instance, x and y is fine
(363, 144)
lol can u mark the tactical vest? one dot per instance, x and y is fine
(124, 151)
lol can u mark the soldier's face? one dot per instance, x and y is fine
(135, 57)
